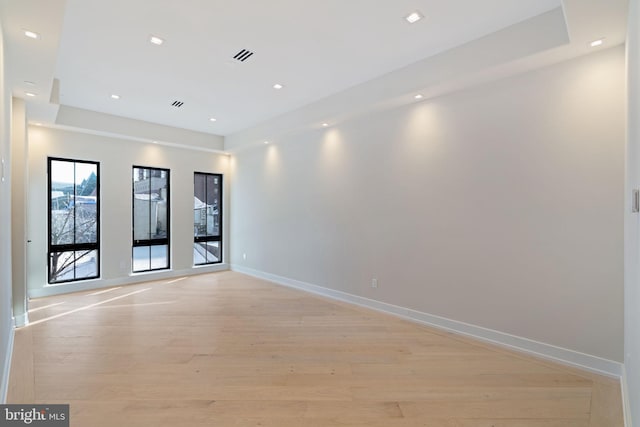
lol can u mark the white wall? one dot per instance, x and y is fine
(116, 157)
(132, 129)
(499, 206)
(632, 221)
(5, 227)
(19, 210)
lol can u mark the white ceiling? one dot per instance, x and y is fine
(97, 48)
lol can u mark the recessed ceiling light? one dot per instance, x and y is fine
(29, 83)
(414, 17)
(156, 40)
(30, 94)
(155, 142)
(114, 96)
(419, 96)
(277, 86)
(213, 119)
(31, 34)
(324, 125)
(266, 142)
(597, 43)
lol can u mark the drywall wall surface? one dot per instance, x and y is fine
(132, 129)
(6, 322)
(437, 74)
(632, 220)
(19, 210)
(499, 206)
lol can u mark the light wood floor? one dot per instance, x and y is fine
(226, 349)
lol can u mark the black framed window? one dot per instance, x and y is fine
(73, 219)
(207, 218)
(150, 219)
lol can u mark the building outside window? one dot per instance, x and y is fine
(150, 219)
(207, 218)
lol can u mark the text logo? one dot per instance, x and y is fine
(34, 415)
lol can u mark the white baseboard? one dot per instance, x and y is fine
(626, 404)
(21, 320)
(539, 349)
(6, 369)
(89, 285)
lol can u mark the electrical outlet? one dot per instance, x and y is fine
(374, 283)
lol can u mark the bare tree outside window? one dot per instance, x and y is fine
(73, 220)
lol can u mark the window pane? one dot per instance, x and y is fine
(61, 266)
(141, 258)
(199, 205)
(86, 181)
(206, 252)
(73, 265)
(213, 252)
(62, 202)
(206, 215)
(150, 257)
(86, 264)
(62, 226)
(158, 204)
(213, 204)
(141, 217)
(159, 256)
(199, 255)
(86, 223)
(85, 203)
(141, 204)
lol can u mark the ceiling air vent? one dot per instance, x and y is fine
(177, 104)
(243, 55)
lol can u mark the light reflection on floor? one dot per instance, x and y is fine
(86, 307)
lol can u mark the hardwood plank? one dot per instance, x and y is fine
(21, 377)
(605, 404)
(225, 349)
